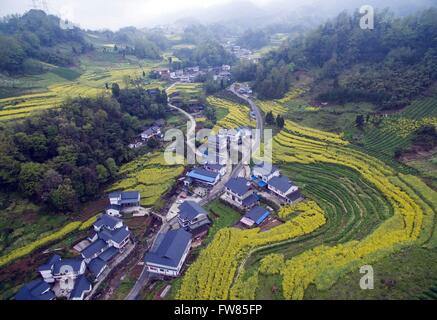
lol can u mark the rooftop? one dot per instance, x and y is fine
(190, 209)
(281, 183)
(202, 174)
(108, 254)
(256, 213)
(171, 249)
(81, 285)
(106, 221)
(96, 266)
(35, 290)
(50, 263)
(94, 248)
(239, 186)
(74, 264)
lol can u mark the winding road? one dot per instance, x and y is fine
(218, 188)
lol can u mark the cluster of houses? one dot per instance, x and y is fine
(73, 278)
(242, 193)
(167, 256)
(153, 131)
(193, 74)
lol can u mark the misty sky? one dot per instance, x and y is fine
(113, 14)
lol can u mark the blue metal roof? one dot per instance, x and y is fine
(50, 263)
(239, 186)
(203, 175)
(96, 266)
(190, 209)
(108, 254)
(119, 235)
(81, 285)
(250, 200)
(171, 249)
(94, 248)
(258, 214)
(281, 183)
(106, 221)
(35, 290)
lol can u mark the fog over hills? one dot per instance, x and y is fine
(115, 14)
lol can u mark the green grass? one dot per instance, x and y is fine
(227, 218)
(412, 270)
(123, 289)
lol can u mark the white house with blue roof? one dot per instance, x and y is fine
(203, 176)
(82, 286)
(238, 192)
(255, 217)
(285, 189)
(46, 270)
(122, 200)
(192, 216)
(170, 253)
(265, 171)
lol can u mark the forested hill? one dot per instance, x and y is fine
(37, 37)
(388, 66)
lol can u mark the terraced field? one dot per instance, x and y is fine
(238, 115)
(150, 175)
(370, 210)
(91, 83)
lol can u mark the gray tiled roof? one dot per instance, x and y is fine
(75, 265)
(256, 213)
(96, 266)
(50, 263)
(106, 221)
(94, 248)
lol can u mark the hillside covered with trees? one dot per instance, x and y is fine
(388, 66)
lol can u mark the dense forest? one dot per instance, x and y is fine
(388, 65)
(254, 39)
(209, 53)
(36, 36)
(64, 156)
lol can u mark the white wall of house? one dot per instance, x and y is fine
(113, 212)
(283, 194)
(167, 270)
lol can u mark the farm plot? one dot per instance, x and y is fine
(150, 175)
(238, 115)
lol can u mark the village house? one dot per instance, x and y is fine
(216, 168)
(265, 172)
(123, 200)
(169, 255)
(150, 133)
(97, 266)
(107, 222)
(46, 270)
(239, 193)
(285, 189)
(192, 216)
(202, 176)
(255, 217)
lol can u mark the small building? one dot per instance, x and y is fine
(46, 270)
(255, 217)
(82, 286)
(282, 187)
(203, 176)
(125, 199)
(107, 222)
(150, 133)
(35, 290)
(294, 197)
(216, 168)
(169, 256)
(239, 193)
(192, 216)
(109, 254)
(265, 171)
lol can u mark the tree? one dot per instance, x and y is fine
(102, 173)
(115, 90)
(270, 119)
(30, 178)
(152, 143)
(112, 167)
(359, 121)
(64, 198)
(280, 121)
